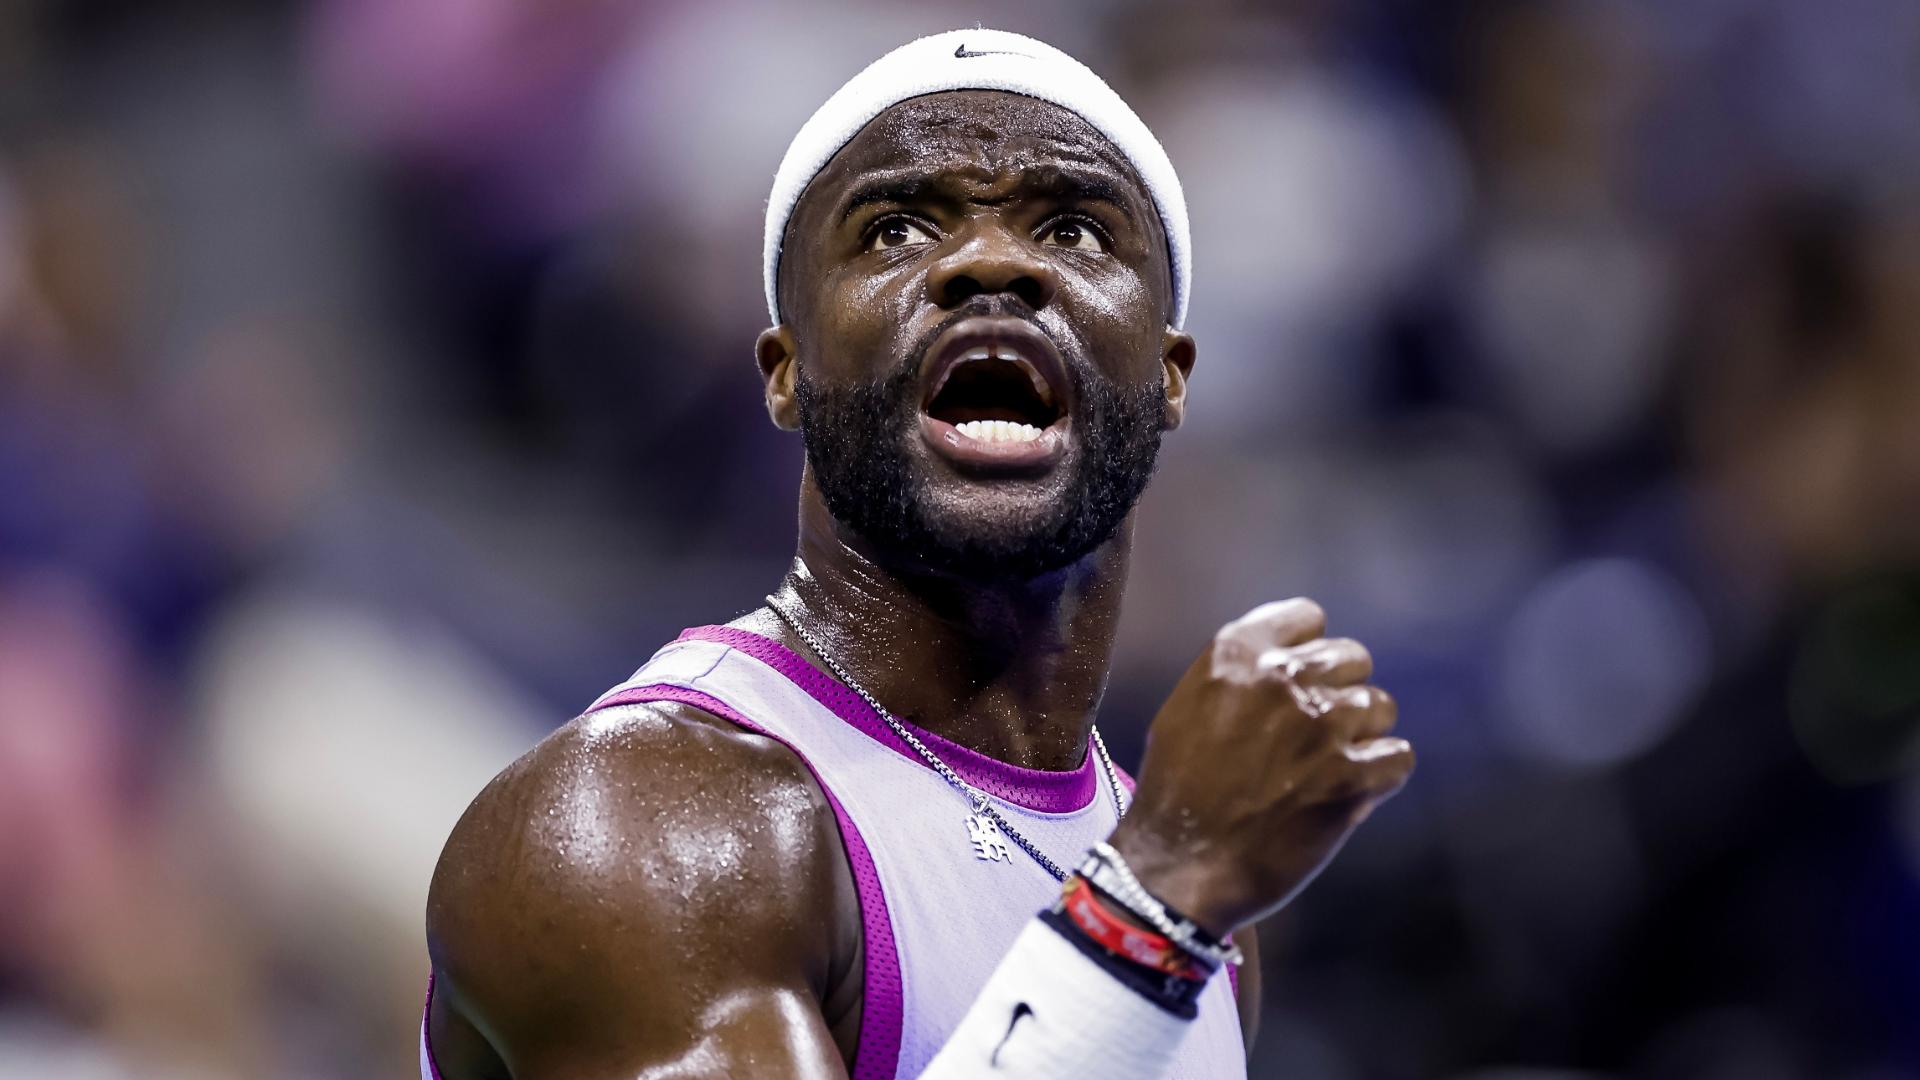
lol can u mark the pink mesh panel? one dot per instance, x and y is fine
(1036, 789)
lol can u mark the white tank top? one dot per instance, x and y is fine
(937, 918)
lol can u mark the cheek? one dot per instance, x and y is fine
(855, 292)
(861, 318)
(1114, 312)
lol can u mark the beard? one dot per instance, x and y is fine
(858, 441)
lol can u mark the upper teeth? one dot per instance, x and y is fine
(1012, 431)
(1000, 352)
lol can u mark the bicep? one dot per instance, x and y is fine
(753, 1032)
(638, 903)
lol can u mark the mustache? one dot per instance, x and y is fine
(996, 306)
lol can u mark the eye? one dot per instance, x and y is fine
(896, 232)
(1073, 233)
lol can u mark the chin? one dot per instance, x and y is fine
(998, 530)
(924, 503)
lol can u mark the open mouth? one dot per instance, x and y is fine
(996, 394)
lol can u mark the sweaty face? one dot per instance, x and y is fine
(978, 289)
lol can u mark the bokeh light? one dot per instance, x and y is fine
(376, 389)
(1601, 660)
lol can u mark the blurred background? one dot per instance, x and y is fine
(375, 389)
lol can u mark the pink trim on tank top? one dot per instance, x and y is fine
(883, 1012)
(1035, 789)
(426, 1027)
(1044, 790)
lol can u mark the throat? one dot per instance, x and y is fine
(1049, 744)
(1014, 674)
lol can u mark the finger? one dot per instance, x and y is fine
(1358, 713)
(1308, 698)
(1281, 666)
(1380, 766)
(1331, 662)
(1375, 713)
(1269, 626)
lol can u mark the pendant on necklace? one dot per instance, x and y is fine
(989, 843)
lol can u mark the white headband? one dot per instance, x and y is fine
(978, 60)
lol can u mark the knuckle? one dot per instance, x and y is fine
(1344, 656)
(1272, 660)
(1297, 609)
(1394, 770)
(1357, 706)
(1259, 616)
(1349, 698)
(1318, 701)
(1386, 705)
(1229, 645)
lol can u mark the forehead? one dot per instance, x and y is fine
(992, 122)
(986, 135)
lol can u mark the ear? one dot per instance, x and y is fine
(1176, 364)
(776, 352)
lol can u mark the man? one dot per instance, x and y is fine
(813, 842)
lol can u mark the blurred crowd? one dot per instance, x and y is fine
(375, 388)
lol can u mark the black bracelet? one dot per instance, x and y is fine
(1179, 996)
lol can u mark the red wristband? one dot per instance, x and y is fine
(1092, 917)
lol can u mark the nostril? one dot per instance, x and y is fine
(952, 289)
(960, 287)
(1030, 290)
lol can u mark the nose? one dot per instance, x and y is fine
(992, 260)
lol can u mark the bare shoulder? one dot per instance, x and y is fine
(639, 862)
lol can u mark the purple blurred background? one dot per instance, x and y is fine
(375, 388)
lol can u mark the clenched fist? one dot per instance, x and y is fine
(1268, 753)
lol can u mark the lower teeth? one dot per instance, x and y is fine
(1008, 431)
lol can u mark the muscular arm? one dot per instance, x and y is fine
(649, 892)
(652, 892)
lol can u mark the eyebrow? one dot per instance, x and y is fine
(1061, 182)
(895, 186)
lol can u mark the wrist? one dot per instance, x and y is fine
(1106, 919)
(1175, 880)
(1105, 869)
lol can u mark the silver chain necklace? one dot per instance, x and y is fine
(987, 829)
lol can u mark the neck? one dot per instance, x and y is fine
(1014, 670)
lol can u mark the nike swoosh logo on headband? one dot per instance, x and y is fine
(962, 52)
